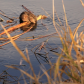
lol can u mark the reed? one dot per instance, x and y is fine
(69, 64)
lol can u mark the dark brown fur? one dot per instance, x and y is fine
(27, 17)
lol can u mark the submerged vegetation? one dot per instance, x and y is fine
(69, 66)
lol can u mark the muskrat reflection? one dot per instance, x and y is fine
(30, 18)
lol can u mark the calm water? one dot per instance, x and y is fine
(12, 8)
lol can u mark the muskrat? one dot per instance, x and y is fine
(28, 17)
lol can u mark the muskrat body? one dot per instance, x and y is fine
(28, 17)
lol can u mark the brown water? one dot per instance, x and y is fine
(12, 8)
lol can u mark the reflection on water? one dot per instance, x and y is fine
(31, 25)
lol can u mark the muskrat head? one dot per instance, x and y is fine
(27, 17)
(30, 18)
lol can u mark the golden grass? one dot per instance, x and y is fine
(82, 3)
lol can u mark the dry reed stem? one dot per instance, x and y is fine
(76, 29)
(82, 3)
(7, 43)
(58, 18)
(24, 39)
(2, 11)
(74, 42)
(53, 12)
(14, 22)
(65, 15)
(15, 27)
(16, 37)
(56, 70)
(1, 19)
(6, 16)
(21, 71)
(48, 77)
(56, 23)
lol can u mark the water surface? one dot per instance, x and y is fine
(12, 8)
